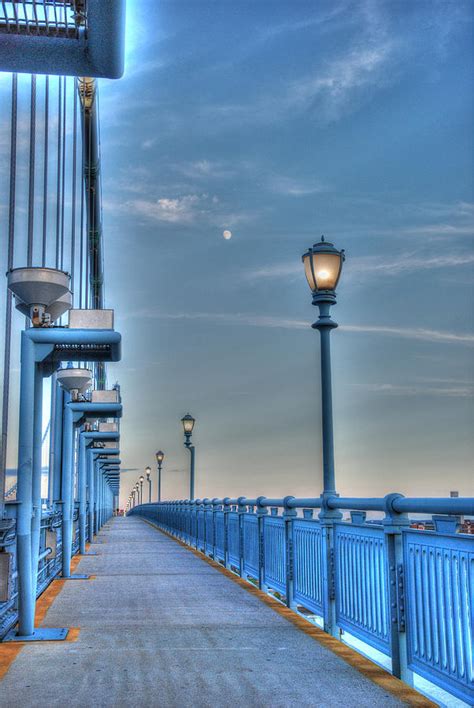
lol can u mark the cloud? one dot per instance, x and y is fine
(328, 92)
(182, 210)
(461, 391)
(186, 209)
(253, 320)
(372, 265)
(295, 187)
(415, 333)
(205, 169)
(337, 90)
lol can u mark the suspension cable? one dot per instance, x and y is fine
(31, 186)
(73, 199)
(8, 314)
(45, 169)
(58, 183)
(63, 175)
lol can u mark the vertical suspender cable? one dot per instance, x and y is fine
(73, 198)
(63, 175)
(58, 184)
(31, 185)
(45, 169)
(8, 314)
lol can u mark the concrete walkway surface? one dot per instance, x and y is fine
(161, 627)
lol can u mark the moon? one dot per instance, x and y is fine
(227, 235)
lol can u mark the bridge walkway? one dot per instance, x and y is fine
(159, 626)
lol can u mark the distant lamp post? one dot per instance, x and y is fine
(137, 493)
(323, 266)
(141, 480)
(148, 476)
(160, 456)
(188, 424)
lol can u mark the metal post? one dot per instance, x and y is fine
(149, 488)
(226, 509)
(325, 324)
(141, 492)
(97, 496)
(289, 515)
(159, 483)
(52, 439)
(26, 609)
(261, 512)
(56, 462)
(393, 525)
(67, 487)
(241, 510)
(90, 476)
(37, 469)
(82, 493)
(191, 471)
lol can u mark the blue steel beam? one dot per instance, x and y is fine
(75, 412)
(41, 350)
(96, 49)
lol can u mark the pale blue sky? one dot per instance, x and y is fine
(281, 121)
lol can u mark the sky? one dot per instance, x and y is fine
(280, 122)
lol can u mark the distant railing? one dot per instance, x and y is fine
(407, 592)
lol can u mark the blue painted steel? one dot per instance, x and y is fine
(25, 487)
(208, 527)
(67, 482)
(82, 485)
(219, 535)
(250, 545)
(439, 591)
(36, 481)
(308, 564)
(358, 568)
(55, 468)
(233, 538)
(274, 570)
(361, 580)
(200, 530)
(96, 48)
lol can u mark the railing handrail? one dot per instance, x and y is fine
(391, 503)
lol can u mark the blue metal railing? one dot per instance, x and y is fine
(49, 566)
(408, 593)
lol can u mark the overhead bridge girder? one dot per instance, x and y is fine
(72, 38)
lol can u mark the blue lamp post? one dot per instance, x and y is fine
(160, 456)
(323, 265)
(148, 477)
(141, 480)
(188, 424)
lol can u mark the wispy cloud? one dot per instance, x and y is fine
(373, 265)
(328, 93)
(461, 391)
(254, 320)
(205, 169)
(292, 187)
(186, 209)
(182, 210)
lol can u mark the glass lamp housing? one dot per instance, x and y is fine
(148, 471)
(188, 423)
(322, 266)
(160, 456)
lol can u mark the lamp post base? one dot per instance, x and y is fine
(41, 634)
